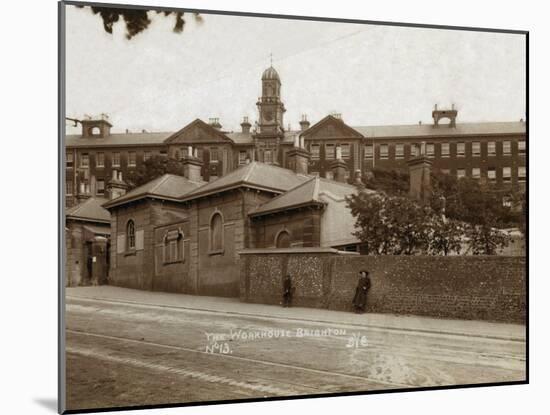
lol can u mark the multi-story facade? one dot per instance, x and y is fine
(492, 151)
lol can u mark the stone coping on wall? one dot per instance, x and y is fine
(295, 250)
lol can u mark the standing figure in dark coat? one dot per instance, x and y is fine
(287, 291)
(360, 299)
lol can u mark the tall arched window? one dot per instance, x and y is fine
(216, 233)
(283, 239)
(130, 235)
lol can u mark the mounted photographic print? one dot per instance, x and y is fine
(263, 207)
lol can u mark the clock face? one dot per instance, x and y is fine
(268, 115)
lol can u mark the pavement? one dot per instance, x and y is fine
(232, 306)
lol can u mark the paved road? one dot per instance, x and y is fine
(129, 354)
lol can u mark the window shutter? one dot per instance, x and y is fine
(120, 243)
(139, 240)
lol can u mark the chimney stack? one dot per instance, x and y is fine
(339, 167)
(215, 122)
(304, 123)
(297, 159)
(100, 128)
(116, 187)
(245, 125)
(419, 176)
(451, 114)
(83, 191)
(192, 165)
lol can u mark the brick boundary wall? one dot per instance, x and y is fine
(488, 288)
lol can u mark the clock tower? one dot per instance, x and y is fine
(270, 131)
(269, 104)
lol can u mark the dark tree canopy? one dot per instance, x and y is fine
(464, 199)
(155, 167)
(400, 225)
(136, 20)
(393, 182)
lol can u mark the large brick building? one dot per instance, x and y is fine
(493, 151)
(182, 235)
(255, 189)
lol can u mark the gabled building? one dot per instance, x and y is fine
(490, 151)
(87, 232)
(175, 234)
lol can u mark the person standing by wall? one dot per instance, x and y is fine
(360, 299)
(287, 291)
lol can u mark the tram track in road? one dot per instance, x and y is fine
(486, 351)
(326, 374)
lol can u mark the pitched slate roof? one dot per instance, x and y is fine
(197, 123)
(118, 140)
(332, 120)
(90, 210)
(420, 130)
(309, 193)
(254, 175)
(241, 138)
(168, 186)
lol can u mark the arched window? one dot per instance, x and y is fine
(130, 235)
(283, 239)
(216, 233)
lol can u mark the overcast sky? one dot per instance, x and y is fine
(372, 75)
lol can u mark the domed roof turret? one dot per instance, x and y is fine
(270, 74)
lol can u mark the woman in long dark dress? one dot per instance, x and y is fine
(287, 291)
(360, 299)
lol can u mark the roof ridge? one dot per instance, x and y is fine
(74, 209)
(316, 189)
(143, 187)
(80, 206)
(287, 192)
(164, 177)
(247, 176)
(431, 125)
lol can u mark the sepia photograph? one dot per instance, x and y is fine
(261, 207)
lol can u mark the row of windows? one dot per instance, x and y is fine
(330, 151)
(84, 159)
(315, 150)
(214, 154)
(506, 173)
(99, 187)
(461, 172)
(212, 151)
(173, 241)
(445, 149)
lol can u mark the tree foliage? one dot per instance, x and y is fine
(154, 167)
(486, 240)
(400, 225)
(464, 199)
(393, 182)
(446, 236)
(137, 20)
(390, 224)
